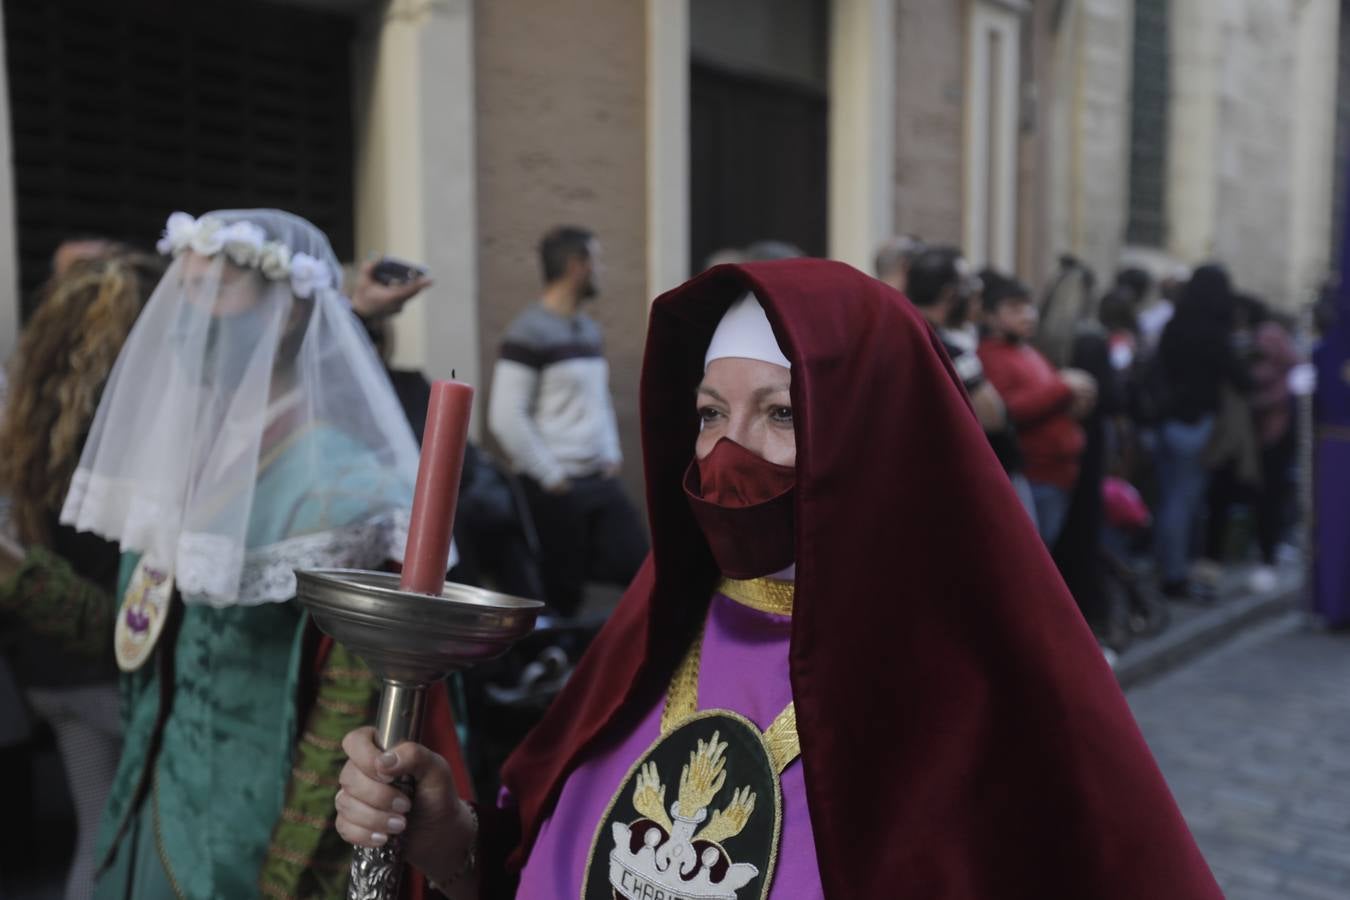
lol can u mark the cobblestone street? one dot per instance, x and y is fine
(1255, 742)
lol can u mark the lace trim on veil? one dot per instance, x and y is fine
(213, 570)
(207, 564)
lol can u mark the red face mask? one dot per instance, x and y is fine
(745, 506)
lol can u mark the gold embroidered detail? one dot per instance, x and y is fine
(780, 738)
(649, 796)
(723, 824)
(704, 776)
(682, 704)
(731, 821)
(682, 697)
(764, 594)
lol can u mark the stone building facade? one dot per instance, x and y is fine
(1010, 127)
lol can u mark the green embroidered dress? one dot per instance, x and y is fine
(213, 722)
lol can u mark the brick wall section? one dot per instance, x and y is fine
(561, 139)
(929, 74)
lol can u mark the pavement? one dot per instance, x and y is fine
(1254, 739)
(1196, 629)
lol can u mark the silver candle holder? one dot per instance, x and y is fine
(409, 641)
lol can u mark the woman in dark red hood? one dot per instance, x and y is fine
(911, 708)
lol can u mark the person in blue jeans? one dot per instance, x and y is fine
(1183, 480)
(1197, 360)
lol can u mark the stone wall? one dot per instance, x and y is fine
(929, 125)
(1252, 133)
(1087, 130)
(561, 125)
(1254, 151)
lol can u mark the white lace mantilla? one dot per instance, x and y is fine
(116, 509)
(208, 565)
(212, 569)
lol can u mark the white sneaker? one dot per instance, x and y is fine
(1263, 580)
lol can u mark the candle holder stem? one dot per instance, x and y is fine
(376, 872)
(399, 717)
(410, 640)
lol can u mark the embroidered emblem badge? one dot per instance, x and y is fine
(145, 609)
(717, 840)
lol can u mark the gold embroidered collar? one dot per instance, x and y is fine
(764, 594)
(780, 738)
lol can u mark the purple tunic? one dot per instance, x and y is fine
(1331, 463)
(744, 669)
(1331, 472)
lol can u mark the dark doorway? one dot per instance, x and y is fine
(757, 162)
(124, 112)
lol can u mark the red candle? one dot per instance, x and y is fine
(433, 511)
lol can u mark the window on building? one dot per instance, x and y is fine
(124, 112)
(992, 78)
(1148, 126)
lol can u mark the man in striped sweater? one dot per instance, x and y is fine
(553, 416)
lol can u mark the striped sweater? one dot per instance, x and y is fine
(551, 409)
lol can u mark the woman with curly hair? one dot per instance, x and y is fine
(56, 379)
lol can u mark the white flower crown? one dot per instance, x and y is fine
(245, 244)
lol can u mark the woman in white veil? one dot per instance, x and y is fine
(247, 429)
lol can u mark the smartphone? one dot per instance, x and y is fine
(395, 271)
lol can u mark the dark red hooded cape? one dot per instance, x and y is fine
(961, 733)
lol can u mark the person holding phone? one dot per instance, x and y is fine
(384, 285)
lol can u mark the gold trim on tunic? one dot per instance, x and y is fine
(780, 738)
(764, 594)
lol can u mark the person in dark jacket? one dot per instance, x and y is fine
(1078, 550)
(1266, 346)
(1197, 360)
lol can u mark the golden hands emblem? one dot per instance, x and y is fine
(700, 782)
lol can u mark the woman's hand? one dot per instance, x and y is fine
(440, 827)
